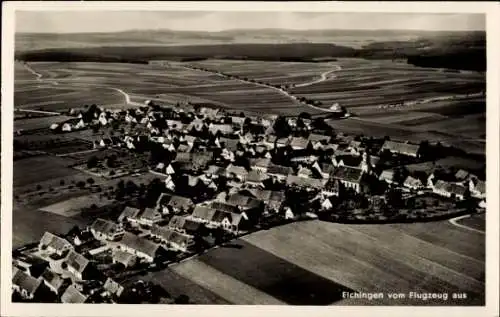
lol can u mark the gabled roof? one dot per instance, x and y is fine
(279, 170)
(77, 261)
(412, 182)
(461, 174)
(123, 257)
(55, 242)
(53, 279)
(450, 188)
(150, 214)
(294, 180)
(73, 296)
(256, 177)
(261, 194)
(480, 187)
(243, 201)
(214, 170)
(348, 174)
(128, 212)
(203, 212)
(332, 185)
(180, 202)
(104, 226)
(230, 144)
(401, 148)
(223, 128)
(233, 218)
(112, 287)
(225, 207)
(260, 162)
(349, 160)
(299, 142)
(387, 175)
(25, 281)
(313, 137)
(139, 244)
(237, 170)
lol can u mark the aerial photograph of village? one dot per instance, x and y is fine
(249, 158)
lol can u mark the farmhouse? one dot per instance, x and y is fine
(27, 286)
(349, 177)
(139, 247)
(54, 245)
(401, 148)
(450, 190)
(106, 230)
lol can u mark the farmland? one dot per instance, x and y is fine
(313, 262)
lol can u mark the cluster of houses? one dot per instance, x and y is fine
(221, 172)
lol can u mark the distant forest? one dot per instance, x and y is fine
(460, 53)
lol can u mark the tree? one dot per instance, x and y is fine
(281, 127)
(92, 162)
(90, 181)
(80, 184)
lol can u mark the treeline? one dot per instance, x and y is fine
(450, 54)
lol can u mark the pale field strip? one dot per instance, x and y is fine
(223, 285)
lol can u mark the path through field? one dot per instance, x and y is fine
(454, 221)
(324, 76)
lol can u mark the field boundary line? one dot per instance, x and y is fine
(454, 221)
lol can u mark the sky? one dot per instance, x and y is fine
(114, 21)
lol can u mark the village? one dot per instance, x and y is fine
(220, 176)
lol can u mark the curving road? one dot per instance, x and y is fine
(324, 76)
(282, 91)
(454, 221)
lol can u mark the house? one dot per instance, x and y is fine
(308, 159)
(412, 183)
(324, 169)
(227, 143)
(125, 258)
(185, 225)
(304, 183)
(30, 264)
(331, 188)
(304, 172)
(461, 175)
(326, 204)
(272, 199)
(27, 286)
(174, 240)
(228, 221)
(73, 296)
(349, 177)
(318, 141)
(234, 171)
(354, 161)
(288, 213)
(54, 281)
(113, 288)
(450, 190)
(106, 230)
(173, 204)
(401, 148)
(251, 207)
(149, 217)
(477, 188)
(54, 245)
(224, 129)
(387, 176)
(255, 178)
(298, 143)
(129, 214)
(237, 121)
(78, 265)
(204, 215)
(214, 171)
(355, 147)
(140, 247)
(260, 164)
(279, 172)
(271, 141)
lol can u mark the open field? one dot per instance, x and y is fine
(477, 222)
(40, 168)
(38, 123)
(312, 262)
(73, 206)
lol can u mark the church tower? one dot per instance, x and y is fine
(366, 164)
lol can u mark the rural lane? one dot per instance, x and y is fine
(454, 221)
(324, 76)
